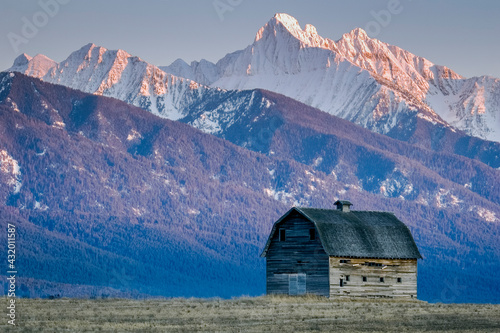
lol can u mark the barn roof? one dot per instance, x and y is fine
(362, 234)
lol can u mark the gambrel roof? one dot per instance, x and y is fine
(359, 234)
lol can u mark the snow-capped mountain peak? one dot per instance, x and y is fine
(287, 21)
(22, 60)
(37, 66)
(292, 25)
(356, 33)
(323, 73)
(94, 55)
(283, 27)
(116, 73)
(203, 71)
(358, 78)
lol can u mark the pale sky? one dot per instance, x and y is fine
(460, 34)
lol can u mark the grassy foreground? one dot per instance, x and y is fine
(260, 314)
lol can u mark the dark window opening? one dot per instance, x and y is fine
(312, 234)
(344, 261)
(347, 278)
(364, 278)
(341, 282)
(282, 235)
(399, 280)
(381, 279)
(376, 264)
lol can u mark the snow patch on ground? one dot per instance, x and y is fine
(396, 186)
(39, 206)
(282, 196)
(208, 123)
(134, 135)
(59, 124)
(426, 117)
(138, 211)
(10, 167)
(317, 161)
(485, 214)
(422, 201)
(444, 198)
(13, 105)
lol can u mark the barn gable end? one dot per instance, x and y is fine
(298, 260)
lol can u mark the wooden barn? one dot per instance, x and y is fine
(340, 252)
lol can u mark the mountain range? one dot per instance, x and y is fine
(361, 79)
(376, 85)
(109, 182)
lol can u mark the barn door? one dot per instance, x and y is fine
(296, 284)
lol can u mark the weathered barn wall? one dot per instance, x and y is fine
(388, 269)
(297, 254)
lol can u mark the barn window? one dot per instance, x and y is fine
(347, 278)
(376, 264)
(381, 279)
(344, 261)
(364, 278)
(399, 280)
(282, 235)
(312, 234)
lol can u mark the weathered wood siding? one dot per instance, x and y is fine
(391, 270)
(297, 254)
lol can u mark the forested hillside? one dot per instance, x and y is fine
(112, 200)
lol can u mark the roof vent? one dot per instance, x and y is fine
(343, 205)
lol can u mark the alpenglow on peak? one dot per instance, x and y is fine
(287, 20)
(357, 33)
(285, 27)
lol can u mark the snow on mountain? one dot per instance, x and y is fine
(408, 71)
(9, 168)
(302, 65)
(459, 101)
(115, 73)
(38, 66)
(376, 85)
(358, 78)
(203, 71)
(474, 106)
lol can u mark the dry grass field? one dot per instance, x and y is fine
(260, 314)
